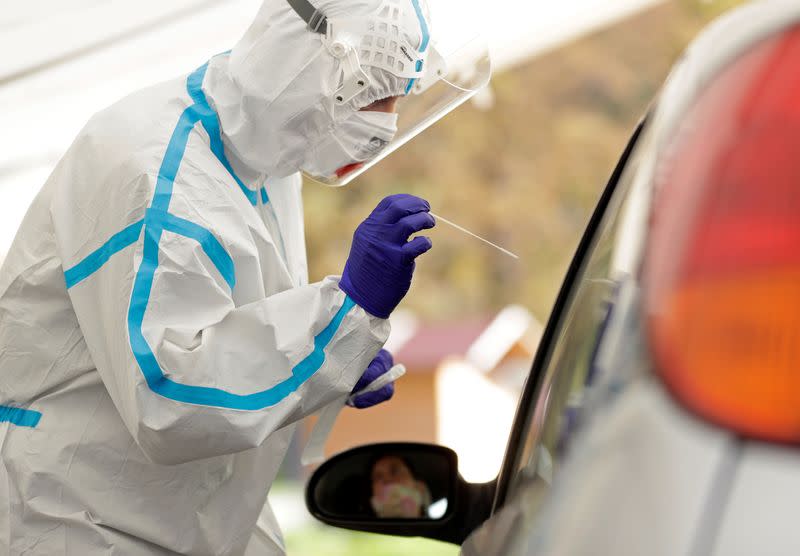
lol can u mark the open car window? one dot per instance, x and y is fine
(550, 405)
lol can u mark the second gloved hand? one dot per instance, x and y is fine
(382, 363)
(378, 271)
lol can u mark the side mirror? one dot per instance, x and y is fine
(405, 489)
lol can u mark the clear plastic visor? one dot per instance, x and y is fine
(458, 66)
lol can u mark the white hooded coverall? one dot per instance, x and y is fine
(158, 338)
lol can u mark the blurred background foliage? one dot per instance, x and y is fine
(526, 172)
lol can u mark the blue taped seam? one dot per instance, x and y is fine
(97, 258)
(19, 417)
(264, 196)
(423, 45)
(194, 85)
(210, 121)
(173, 157)
(426, 37)
(165, 181)
(210, 244)
(143, 284)
(203, 395)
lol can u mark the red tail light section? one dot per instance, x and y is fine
(721, 276)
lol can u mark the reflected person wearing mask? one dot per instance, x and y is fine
(396, 492)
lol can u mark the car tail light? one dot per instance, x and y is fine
(721, 276)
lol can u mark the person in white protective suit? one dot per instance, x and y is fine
(158, 337)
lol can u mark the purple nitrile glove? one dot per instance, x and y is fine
(380, 365)
(378, 271)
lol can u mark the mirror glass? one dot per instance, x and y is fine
(387, 482)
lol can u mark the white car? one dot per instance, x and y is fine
(662, 412)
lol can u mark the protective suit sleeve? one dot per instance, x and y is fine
(196, 372)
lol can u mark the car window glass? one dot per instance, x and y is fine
(569, 368)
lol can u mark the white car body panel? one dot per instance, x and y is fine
(760, 516)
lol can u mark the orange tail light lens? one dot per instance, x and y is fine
(721, 276)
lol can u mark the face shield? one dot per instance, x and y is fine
(433, 71)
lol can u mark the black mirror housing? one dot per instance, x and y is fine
(356, 490)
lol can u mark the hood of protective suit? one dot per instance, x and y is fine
(274, 91)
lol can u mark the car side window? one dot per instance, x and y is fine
(568, 363)
(560, 399)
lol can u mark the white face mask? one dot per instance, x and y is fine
(396, 500)
(357, 140)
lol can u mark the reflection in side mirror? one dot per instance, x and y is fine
(386, 482)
